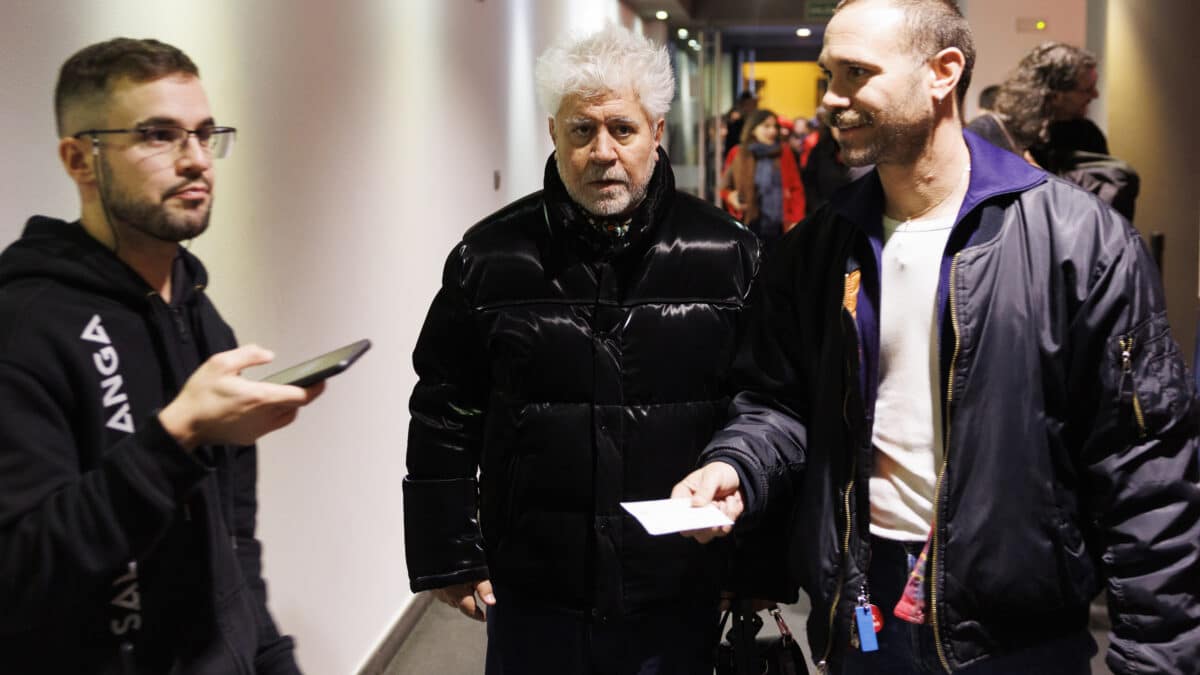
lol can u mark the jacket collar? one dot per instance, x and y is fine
(994, 172)
(562, 211)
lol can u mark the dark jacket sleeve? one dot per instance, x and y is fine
(1139, 452)
(765, 439)
(65, 533)
(274, 654)
(443, 544)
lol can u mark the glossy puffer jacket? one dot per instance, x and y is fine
(1071, 428)
(574, 371)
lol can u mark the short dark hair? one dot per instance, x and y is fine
(1024, 98)
(88, 74)
(987, 97)
(934, 25)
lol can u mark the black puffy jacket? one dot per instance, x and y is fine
(573, 374)
(1071, 430)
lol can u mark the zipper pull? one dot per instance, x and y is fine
(1126, 354)
(1127, 370)
(864, 597)
(864, 600)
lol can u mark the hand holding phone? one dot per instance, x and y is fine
(317, 369)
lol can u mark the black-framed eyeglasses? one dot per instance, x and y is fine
(216, 141)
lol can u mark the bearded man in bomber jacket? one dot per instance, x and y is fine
(127, 470)
(961, 409)
(576, 357)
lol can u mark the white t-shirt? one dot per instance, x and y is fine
(907, 435)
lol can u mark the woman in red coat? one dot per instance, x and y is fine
(760, 183)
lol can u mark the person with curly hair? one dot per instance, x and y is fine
(1040, 114)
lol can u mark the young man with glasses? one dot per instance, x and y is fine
(127, 465)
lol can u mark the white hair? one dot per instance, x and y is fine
(612, 60)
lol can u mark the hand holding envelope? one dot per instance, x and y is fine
(702, 506)
(664, 516)
(715, 484)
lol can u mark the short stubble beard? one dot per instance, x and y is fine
(901, 135)
(153, 220)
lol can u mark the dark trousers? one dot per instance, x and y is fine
(909, 649)
(524, 639)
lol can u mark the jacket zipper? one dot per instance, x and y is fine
(937, 494)
(823, 665)
(1127, 371)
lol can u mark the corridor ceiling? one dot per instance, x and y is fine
(725, 13)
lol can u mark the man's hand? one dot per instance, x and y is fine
(217, 405)
(735, 201)
(466, 598)
(714, 483)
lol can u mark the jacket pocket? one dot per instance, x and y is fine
(1153, 386)
(1077, 571)
(498, 522)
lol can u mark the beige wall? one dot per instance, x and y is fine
(369, 132)
(998, 43)
(1151, 68)
(1148, 108)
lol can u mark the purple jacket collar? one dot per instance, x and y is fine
(994, 171)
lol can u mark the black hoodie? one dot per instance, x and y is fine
(119, 552)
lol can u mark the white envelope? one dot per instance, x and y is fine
(663, 516)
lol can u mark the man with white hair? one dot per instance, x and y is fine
(575, 358)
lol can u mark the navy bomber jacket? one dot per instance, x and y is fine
(1070, 424)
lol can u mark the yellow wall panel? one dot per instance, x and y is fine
(790, 87)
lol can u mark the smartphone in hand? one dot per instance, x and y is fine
(316, 369)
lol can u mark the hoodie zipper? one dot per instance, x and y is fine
(1126, 344)
(937, 493)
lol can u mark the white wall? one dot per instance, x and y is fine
(369, 131)
(998, 44)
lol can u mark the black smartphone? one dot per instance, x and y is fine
(314, 370)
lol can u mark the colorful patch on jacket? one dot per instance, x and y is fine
(850, 294)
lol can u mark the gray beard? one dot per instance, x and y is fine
(606, 208)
